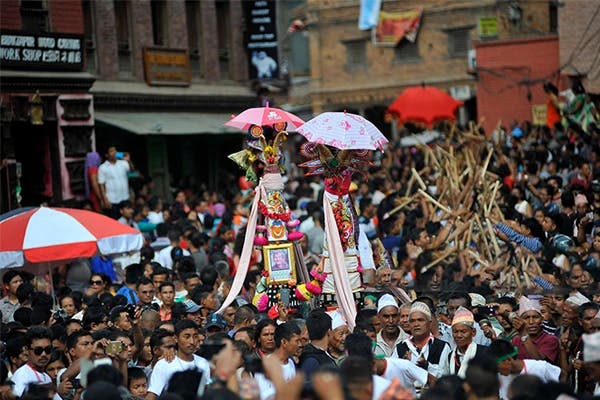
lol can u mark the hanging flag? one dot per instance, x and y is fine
(369, 13)
(393, 27)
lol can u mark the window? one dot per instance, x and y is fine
(89, 37)
(123, 38)
(459, 42)
(356, 54)
(407, 52)
(223, 26)
(192, 13)
(34, 16)
(553, 15)
(158, 22)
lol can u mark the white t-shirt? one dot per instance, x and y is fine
(267, 389)
(155, 217)
(26, 375)
(163, 370)
(380, 385)
(406, 372)
(115, 180)
(542, 369)
(164, 257)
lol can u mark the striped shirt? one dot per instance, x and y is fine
(529, 243)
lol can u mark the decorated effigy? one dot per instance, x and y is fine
(339, 146)
(271, 226)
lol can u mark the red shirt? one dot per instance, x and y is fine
(546, 344)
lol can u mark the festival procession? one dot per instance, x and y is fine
(300, 199)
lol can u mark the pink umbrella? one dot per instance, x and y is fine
(264, 116)
(344, 131)
(46, 235)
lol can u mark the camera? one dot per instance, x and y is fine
(60, 315)
(253, 364)
(130, 309)
(485, 311)
(151, 306)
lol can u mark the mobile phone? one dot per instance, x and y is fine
(284, 294)
(120, 155)
(114, 348)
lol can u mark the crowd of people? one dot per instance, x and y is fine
(438, 320)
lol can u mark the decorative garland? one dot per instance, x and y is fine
(264, 210)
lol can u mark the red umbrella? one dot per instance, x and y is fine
(45, 235)
(426, 104)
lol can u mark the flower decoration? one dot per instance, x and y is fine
(261, 301)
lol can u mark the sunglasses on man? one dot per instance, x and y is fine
(39, 350)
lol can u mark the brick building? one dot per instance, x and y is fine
(46, 117)
(349, 71)
(150, 103)
(159, 78)
(510, 76)
(579, 35)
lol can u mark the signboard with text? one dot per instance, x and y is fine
(487, 27)
(167, 67)
(261, 39)
(538, 113)
(41, 51)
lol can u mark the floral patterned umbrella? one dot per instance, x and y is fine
(344, 131)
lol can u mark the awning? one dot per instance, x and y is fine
(160, 123)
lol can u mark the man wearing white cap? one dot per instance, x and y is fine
(390, 334)
(533, 342)
(337, 336)
(591, 358)
(422, 348)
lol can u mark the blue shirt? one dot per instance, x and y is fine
(130, 295)
(104, 266)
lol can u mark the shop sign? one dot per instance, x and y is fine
(41, 51)
(167, 67)
(487, 27)
(461, 93)
(538, 112)
(261, 39)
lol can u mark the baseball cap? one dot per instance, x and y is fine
(215, 320)
(191, 306)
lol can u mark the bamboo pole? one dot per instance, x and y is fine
(493, 237)
(487, 162)
(397, 208)
(439, 259)
(434, 201)
(409, 185)
(418, 178)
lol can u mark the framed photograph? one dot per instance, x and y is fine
(279, 262)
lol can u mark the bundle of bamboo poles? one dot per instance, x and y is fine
(459, 170)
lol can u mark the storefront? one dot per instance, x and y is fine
(46, 118)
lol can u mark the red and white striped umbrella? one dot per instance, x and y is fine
(43, 235)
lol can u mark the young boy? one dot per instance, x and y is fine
(137, 383)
